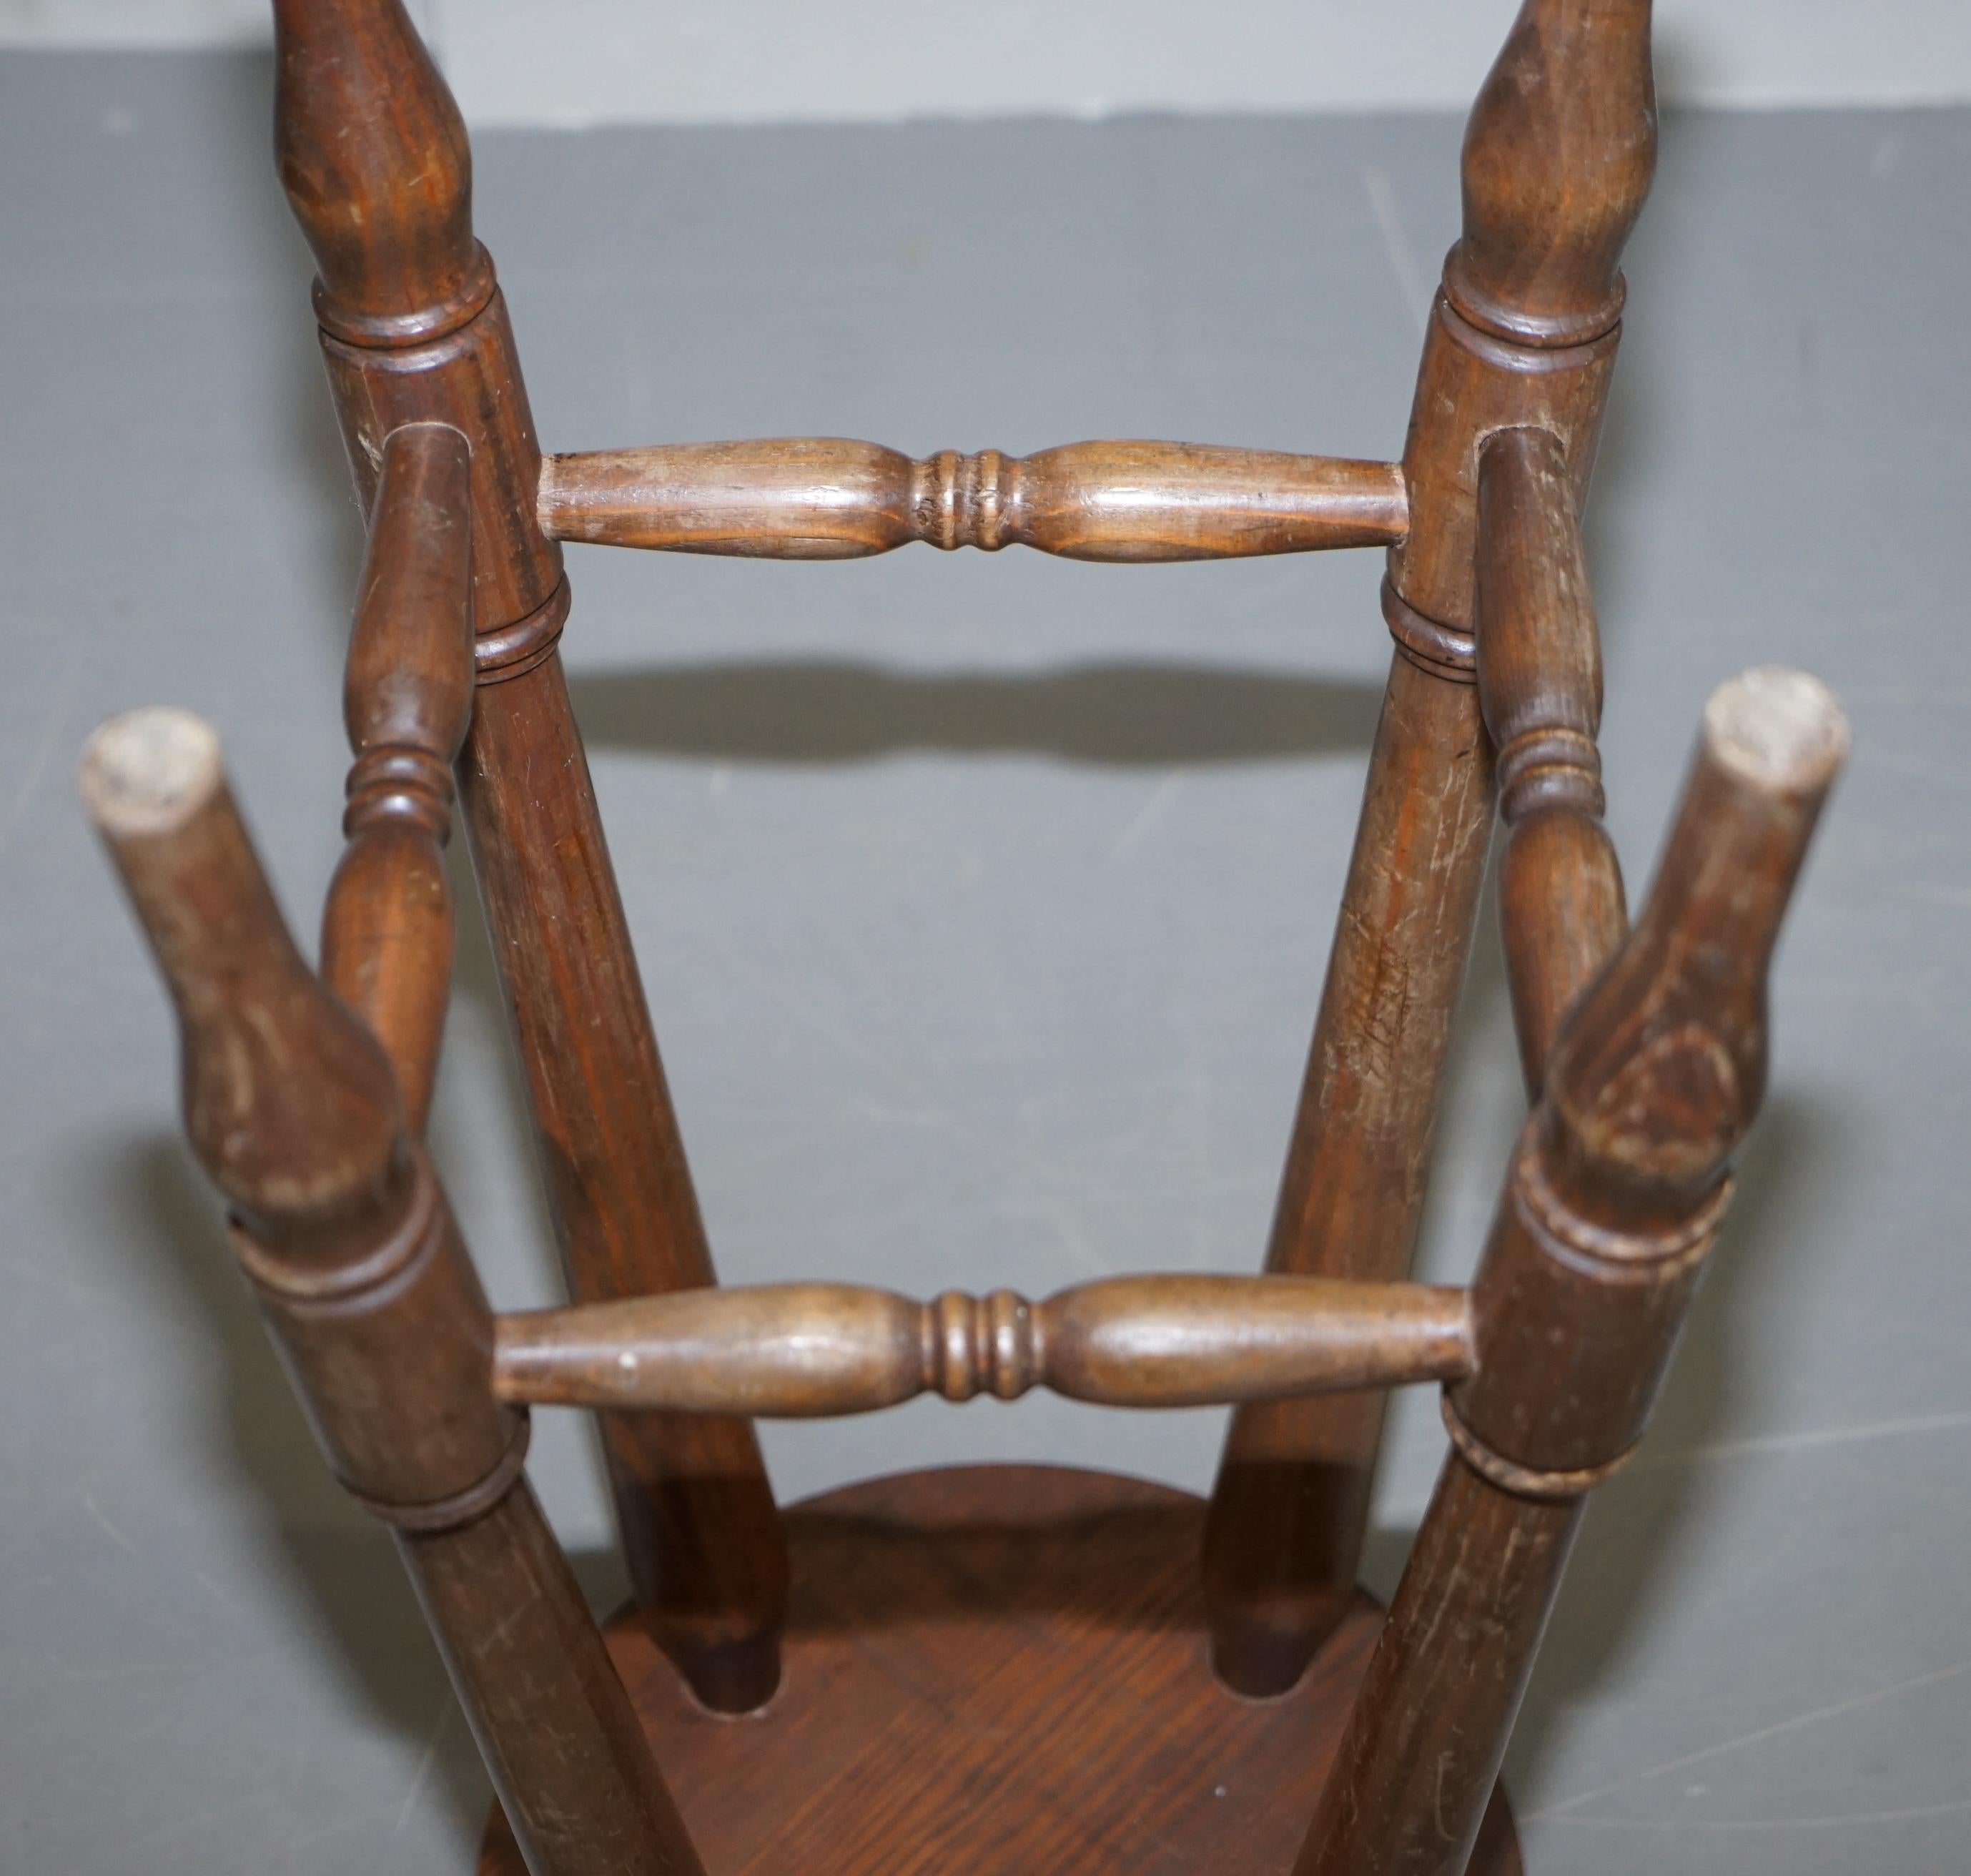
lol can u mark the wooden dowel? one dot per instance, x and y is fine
(346, 1235)
(804, 1350)
(387, 929)
(829, 498)
(1611, 1205)
(1557, 161)
(1539, 683)
(414, 330)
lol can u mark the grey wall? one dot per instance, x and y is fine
(631, 61)
(983, 900)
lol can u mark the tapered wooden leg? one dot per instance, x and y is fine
(697, 1520)
(1558, 158)
(1611, 1205)
(378, 169)
(1445, 1684)
(511, 1619)
(351, 1248)
(1286, 1528)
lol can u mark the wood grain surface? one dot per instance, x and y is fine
(1558, 152)
(377, 166)
(803, 1350)
(387, 927)
(832, 498)
(1611, 1207)
(345, 1235)
(1000, 1671)
(1561, 903)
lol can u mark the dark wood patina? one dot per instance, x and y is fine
(987, 1671)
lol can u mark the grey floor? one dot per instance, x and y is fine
(983, 901)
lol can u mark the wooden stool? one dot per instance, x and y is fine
(980, 1670)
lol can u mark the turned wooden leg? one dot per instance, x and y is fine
(1558, 158)
(376, 164)
(348, 1239)
(1560, 886)
(1611, 1206)
(1285, 1532)
(388, 926)
(697, 1516)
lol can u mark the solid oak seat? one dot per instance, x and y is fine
(981, 1672)
(999, 1671)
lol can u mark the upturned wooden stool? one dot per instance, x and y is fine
(980, 1670)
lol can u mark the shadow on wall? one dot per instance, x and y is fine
(339, 1578)
(828, 711)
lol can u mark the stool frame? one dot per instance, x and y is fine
(1643, 1046)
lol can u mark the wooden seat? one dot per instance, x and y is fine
(989, 1668)
(980, 1671)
